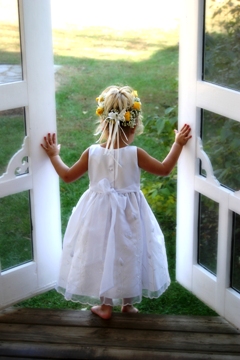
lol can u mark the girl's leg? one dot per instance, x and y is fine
(128, 308)
(103, 311)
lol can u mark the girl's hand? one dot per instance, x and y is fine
(50, 146)
(183, 136)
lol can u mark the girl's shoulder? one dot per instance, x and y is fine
(93, 148)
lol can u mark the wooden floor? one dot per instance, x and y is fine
(70, 334)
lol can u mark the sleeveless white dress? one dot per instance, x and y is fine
(113, 249)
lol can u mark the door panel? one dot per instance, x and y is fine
(32, 226)
(208, 166)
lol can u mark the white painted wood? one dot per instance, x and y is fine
(41, 111)
(204, 285)
(16, 163)
(224, 253)
(220, 100)
(19, 184)
(195, 94)
(15, 285)
(232, 306)
(37, 94)
(234, 202)
(203, 186)
(13, 95)
(206, 163)
(187, 205)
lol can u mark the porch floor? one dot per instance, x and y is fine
(69, 334)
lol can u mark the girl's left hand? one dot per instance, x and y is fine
(50, 146)
(183, 136)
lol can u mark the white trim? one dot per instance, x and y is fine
(17, 185)
(223, 101)
(13, 95)
(204, 285)
(232, 306)
(41, 113)
(15, 285)
(187, 203)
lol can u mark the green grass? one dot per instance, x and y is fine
(10, 44)
(15, 230)
(92, 59)
(12, 135)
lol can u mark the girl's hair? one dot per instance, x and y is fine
(118, 108)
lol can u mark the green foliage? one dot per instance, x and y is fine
(221, 142)
(222, 47)
(11, 136)
(236, 253)
(161, 127)
(161, 194)
(208, 234)
(15, 230)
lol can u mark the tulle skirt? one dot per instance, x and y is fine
(113, 250)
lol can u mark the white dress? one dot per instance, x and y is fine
(113, 248)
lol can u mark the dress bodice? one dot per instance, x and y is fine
(119, 166)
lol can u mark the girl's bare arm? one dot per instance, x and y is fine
(152, 165)
(66, 174)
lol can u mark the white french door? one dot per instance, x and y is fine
(208, 210)
(30, 235)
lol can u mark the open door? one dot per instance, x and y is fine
(208, 212)
(30, 234)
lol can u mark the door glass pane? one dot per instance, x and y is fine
(235, 274)
(12, 125)
(221, 142)
(221, 43)
(15, 230)
(208, 233)
(10, 45)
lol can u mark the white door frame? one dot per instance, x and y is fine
(194, 95)
(36, 93)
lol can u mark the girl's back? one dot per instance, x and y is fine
(119, 166)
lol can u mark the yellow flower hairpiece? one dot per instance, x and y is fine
(127, 116)
(130, 116)
(137, 105)
(99, 111)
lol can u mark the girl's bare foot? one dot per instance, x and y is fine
(103, 311)
(129, 309)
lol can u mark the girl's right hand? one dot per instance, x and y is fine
(50, 146)
(183, 136)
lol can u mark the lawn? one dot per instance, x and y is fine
(147, 60)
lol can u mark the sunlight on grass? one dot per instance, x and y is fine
(106, 43)
(10, 44)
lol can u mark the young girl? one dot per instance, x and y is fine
(113, 250)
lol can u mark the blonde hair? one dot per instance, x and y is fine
(115, 99)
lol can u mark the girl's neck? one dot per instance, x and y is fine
(123, 142)
(115, 146)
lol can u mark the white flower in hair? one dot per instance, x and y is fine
(115, 116)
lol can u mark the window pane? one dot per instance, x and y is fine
(208, 233)
(10, 47)
(15, 230)
(12, 125)
(221, 43)
(221, 142)
(235, 278)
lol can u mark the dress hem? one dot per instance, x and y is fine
(91, 300)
